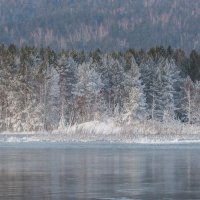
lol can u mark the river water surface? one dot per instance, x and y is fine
(60, 171)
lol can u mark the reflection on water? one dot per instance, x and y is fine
(100, 172)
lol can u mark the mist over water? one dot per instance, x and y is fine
(99, 172)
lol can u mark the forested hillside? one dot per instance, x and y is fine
(44, 90)
(105, 24)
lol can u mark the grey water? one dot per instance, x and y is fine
(99, 171)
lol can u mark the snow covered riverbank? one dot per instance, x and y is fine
(111, 138)
(144, 133)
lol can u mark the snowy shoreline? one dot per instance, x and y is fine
(87, 138)
(110, 132)
(40, 138)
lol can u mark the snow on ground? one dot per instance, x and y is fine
(96, 127)
(110, 131)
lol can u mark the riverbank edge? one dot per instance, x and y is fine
(109, 138)
(145, 132)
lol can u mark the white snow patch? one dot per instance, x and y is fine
(97, 127)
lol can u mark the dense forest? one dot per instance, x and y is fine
(41, 89)
(106, 24)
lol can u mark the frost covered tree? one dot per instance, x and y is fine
(53, 98)
(196, 111)
(151, 79)
(113, 77)
(192, 101)
(188, 98)
(169, 93)
(135, 105)
(67, 69)
(41, 90)
(161, 79)
(4, 87)
(87, 91)
(43, 62)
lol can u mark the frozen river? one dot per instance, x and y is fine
(60, 171)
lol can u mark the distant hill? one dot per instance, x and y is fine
(105, 24)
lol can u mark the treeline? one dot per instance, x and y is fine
(107, 24)
(41, 89)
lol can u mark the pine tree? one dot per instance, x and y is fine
(88, 88)
(151, 79)
(189, 100)
(67, 69)
(196, 110)
(192, 100)
(135, 105)
(53, 98)
(113, 77)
